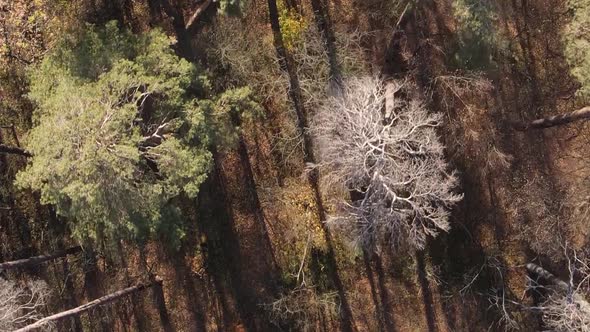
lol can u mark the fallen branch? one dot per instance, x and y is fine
(88, 306)
(557, 120)
(32, 261)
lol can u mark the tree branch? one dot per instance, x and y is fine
(31, 261)
(557, 120)
(85, 307)
(198, 12)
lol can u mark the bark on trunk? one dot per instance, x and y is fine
(557, 120)
(32, 261)
(88, 306)
(14, 150)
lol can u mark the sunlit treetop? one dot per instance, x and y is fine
(118, 133)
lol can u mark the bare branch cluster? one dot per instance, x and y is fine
(313, 67)
(565, 306)
(20, 305)
(395, 164)
(304, 307)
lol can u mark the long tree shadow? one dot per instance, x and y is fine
(160, 302)
(329, 258)
(137, 305)
(379, 292)
(378, 307)
(426, 292)
(240, 256)
(197, 306)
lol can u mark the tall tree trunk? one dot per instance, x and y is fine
(14, 150)
(88, 306)
(287, 65)
(557, 120)
(322, 18)
(32, 261)
(285, 62)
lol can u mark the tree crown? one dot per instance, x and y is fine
(118, 133)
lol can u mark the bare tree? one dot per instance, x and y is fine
(21, 305)
(564, 306)
(394, 165)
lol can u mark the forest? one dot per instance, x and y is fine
(294, 165)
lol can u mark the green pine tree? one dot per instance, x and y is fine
(118, 133)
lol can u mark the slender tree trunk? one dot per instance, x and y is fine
(322, 18)
(294, 87)
(32, 261)
(198, 12)
(557, 120)
(295, 95)
(88, 306)
(14, 150)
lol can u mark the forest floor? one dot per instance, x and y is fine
(236, 257)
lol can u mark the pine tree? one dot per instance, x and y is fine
(118, 132)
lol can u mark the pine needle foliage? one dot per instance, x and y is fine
(118, 133)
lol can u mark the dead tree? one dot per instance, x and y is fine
(36, 260)
(556, 120)
(395, 164)
(21, 305)
(565, 306)
(88, 306)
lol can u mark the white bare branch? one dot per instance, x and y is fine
(21, 305)
(395, 164)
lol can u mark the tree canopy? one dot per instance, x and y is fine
(117, 132)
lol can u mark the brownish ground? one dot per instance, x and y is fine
(248, 230)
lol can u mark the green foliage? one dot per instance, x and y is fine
(232, 7)
(476, 32)
(577, 44)
(118, 134)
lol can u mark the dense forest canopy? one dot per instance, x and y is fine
(294, 165)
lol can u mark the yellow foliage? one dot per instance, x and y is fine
(292, 25)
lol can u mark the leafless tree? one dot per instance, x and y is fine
(20, 305)
(394, 164)
(565, 306)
